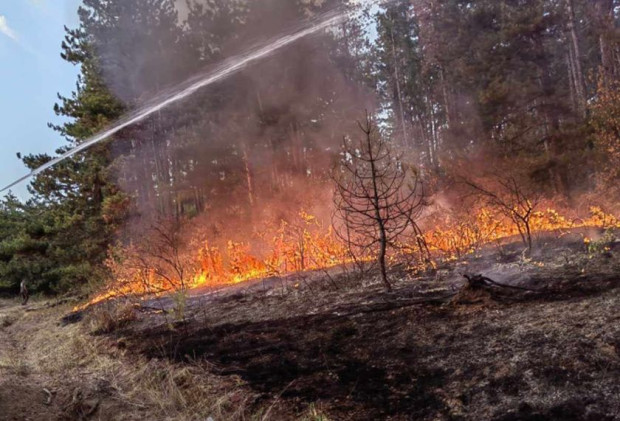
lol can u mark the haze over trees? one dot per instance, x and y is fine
(525, 86)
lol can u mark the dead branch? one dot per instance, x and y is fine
(50, 396)
(397, 305)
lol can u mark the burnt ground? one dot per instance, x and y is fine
(428, 350)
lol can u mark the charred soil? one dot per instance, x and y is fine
(545, 347)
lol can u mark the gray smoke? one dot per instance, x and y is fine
(180, 92)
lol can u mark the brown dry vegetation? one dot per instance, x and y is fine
(300, 348)
(54, 372)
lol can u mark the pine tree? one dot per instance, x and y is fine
(75, 206)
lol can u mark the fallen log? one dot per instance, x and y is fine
(391, 306)
(481, 289)
(480, 281)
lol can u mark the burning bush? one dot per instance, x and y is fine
(159, 264)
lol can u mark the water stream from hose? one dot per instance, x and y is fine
(187, 88)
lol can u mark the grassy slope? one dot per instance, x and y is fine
(360, 353)
(302, 349)
(94, 377)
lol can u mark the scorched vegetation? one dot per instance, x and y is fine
(394, 210)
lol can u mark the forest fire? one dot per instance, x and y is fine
(310, 246)
(310, 210)
(486, 226)
(294, 248)
(305, 246)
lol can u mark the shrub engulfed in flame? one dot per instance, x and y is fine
(468, 234)
(309, 245)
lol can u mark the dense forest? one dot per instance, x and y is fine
(462, 89)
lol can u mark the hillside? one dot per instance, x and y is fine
(337, 347)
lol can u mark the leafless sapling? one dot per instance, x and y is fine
(512, 197)
(157, 261)
(377, 197)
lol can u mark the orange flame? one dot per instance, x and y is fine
(308, 245)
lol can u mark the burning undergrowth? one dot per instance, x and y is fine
(422, 350)
(174, 257)
(236, 182)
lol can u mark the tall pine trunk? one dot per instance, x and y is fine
(575, 60)
(399, 96)
(605, 22)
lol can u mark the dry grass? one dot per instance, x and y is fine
(314, 413)
(7, 319)
(110, 317)
(12, 362)
(82, 369)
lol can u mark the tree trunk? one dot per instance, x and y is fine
(571, 81)
(580, 89)
(399, 96)
(379, 217)
(605, 23)
(382, 264)
(248, 175)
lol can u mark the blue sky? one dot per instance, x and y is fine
(31, 74)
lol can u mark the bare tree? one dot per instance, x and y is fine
(154, 263)
(377, 197)
(164, 251)
(512, 198)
